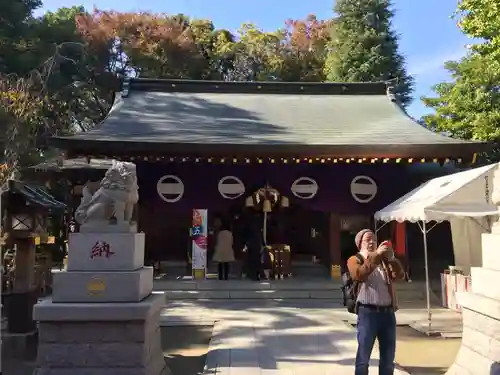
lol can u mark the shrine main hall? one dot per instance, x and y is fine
(335, 153)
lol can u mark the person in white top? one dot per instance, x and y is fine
(376, 301)
(224, 252)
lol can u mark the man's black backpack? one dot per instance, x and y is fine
(350, 289)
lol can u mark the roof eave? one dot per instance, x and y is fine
(102, 148)
(255, 87)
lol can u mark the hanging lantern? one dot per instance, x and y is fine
(266, 206)
(285, 202)
(249, 201)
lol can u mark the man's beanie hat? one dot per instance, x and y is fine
(359, 237)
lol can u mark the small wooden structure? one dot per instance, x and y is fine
(280, 261)
(26, 210)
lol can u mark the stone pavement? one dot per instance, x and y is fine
(279, 337)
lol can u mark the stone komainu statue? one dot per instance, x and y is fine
(114, 201)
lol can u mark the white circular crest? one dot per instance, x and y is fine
(304, 188)
(170, 188)
(363, 189)
(231, 187)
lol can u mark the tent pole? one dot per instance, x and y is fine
(427, 283)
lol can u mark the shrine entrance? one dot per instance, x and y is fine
(299, 231)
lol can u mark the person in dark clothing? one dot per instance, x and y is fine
(254, 243)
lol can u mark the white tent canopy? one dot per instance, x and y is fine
(463, 199)
(464, 194)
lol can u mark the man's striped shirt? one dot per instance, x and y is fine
(374, 290)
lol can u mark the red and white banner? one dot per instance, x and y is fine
(199, 233)
(451, 284)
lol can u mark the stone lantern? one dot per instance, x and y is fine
(26, 209)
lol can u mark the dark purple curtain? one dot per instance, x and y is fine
(341, 188)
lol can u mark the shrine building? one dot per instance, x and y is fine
(337, 152)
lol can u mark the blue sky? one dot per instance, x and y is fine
(429, 37)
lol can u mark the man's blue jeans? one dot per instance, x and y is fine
(380, 325)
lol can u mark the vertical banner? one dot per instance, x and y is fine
(199, 237)
(400, 247)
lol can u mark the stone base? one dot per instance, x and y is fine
(80, 286)
(126, 251)
(100, 339)
(480, 350)
(104, 227)
(18, 345)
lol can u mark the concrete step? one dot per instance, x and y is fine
(279, 289)
(309, 270)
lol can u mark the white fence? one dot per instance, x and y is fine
(450, 285)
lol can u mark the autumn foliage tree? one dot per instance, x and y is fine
(174, 46)
(59, 72)
(150, 45)
(295, 53)
(20, 116)
(305, 49)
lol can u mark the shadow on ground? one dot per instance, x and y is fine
(184, 348)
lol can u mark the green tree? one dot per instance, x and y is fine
(57, 87)
(15, 30)
(481, 19)
(468, 106)
(364, 47)
(255, 56)
(82, 86)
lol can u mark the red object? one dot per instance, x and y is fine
(400, 247)
(201, 242)
(197, 218)
(387, 243)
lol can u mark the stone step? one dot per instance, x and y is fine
(299, 268)
(280, 289)
(287, 284)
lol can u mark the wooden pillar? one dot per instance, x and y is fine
(335, 257)
(25, 265)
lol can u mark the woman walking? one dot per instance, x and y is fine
(224, 252)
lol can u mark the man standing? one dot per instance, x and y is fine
(376, 301)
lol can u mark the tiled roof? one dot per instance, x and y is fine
(334, 117)
(35, 195)
(206, 117)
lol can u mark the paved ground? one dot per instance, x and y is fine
(420, 354)
(285, 338)
(290, 337)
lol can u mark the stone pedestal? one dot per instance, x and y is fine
(100, 338)
(88, 286)
(103, 318)
(126, 251)
(479, 353)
